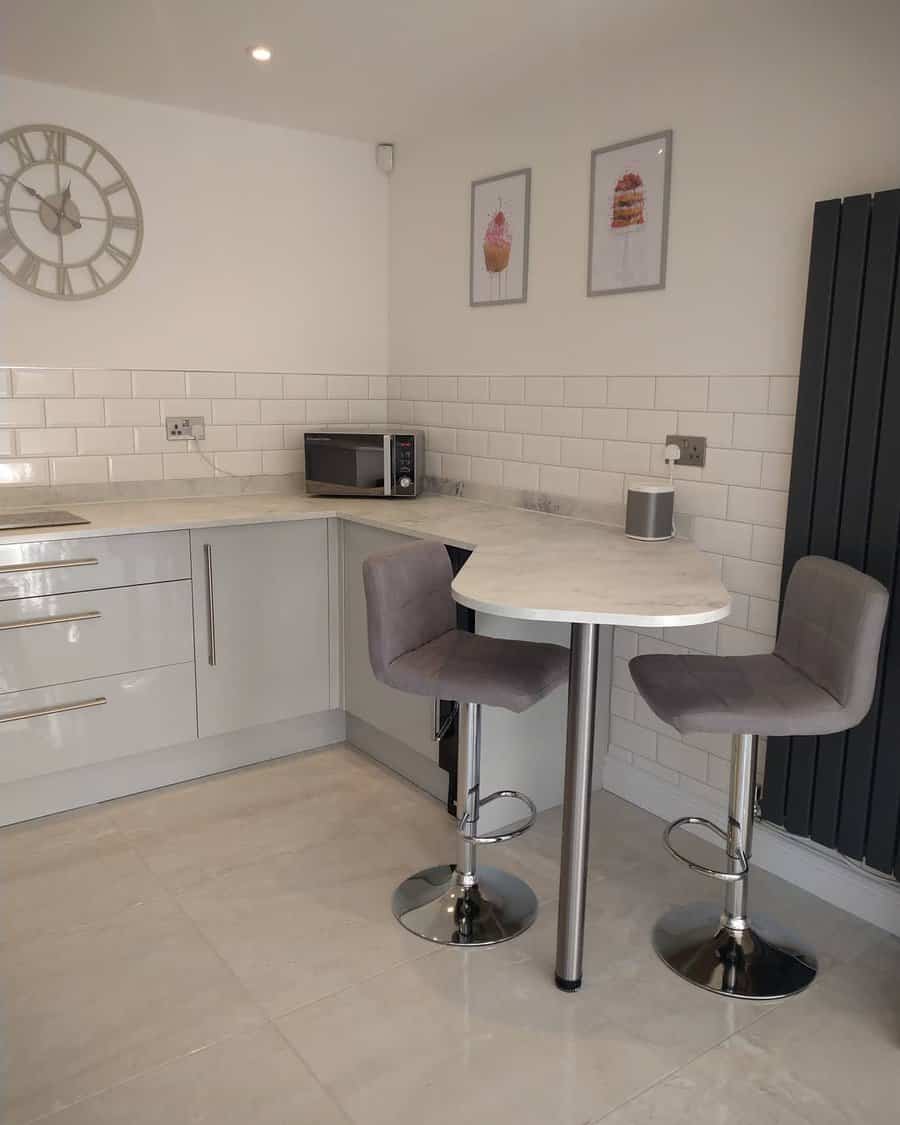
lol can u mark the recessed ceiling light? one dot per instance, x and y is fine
(260, 53)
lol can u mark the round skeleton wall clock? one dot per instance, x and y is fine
(70, 220)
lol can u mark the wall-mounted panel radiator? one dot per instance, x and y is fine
(843, 790)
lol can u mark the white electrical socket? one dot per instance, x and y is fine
(180, 428)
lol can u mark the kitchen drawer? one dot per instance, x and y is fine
(141, 711)
(61, 566)
(70, 637)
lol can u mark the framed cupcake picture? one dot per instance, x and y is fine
(498, 270)
(629, 215)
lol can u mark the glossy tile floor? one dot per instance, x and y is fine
(223, 951)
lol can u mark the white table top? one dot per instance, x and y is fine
(525, 564)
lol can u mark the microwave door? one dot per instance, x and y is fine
(350, 466)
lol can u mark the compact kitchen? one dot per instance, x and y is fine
(448, 632)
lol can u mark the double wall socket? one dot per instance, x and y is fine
(179, 428)
(693, 449)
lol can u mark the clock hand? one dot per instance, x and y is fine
(59, 214)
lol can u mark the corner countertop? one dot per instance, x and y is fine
(527, 565)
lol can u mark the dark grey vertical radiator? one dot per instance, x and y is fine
(843, 790)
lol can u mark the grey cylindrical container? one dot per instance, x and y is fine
(649, 511)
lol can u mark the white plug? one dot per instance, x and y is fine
(673, 453)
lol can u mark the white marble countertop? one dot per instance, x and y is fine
(526, 564)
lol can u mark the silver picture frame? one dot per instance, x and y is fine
(477, 187)
(665, 137)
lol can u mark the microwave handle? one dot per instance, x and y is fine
(388, 462)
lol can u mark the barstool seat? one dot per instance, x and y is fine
(414, 646)
(819, 679)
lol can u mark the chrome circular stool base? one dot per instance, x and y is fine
(432, 905)
(760, 963)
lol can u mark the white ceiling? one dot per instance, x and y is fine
(375, 69)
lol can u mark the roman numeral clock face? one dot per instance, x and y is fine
(70, 220)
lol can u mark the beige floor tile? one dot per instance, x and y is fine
(68, 871)
(254, 1079)
(94, 1006)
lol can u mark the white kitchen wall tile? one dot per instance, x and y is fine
(5, 382)
(544, 390)
(516, 474)
(440, 439)
(433, 464)
(260, 437)
(232, 412)
(600, 422)
(245, 464)
(137, 466)
(741, 642)
(294, 437)
(625, 643)
(590, 390)
(197, 407)
(186, 466)
(474, 388)
(763, 616)
(443, 388)
(280, 462)
(681, 392)
(649, 765)
(703, 638)
(152, 439)
(488, 416)
(7, 443)
(22, 412)
(776, 472)
(131, 411)
(635, 393)
(368, 410)
(74, 411)
(457, 414)
(626, 457)
(523, 419)
(716, 428)
(507, 388)
(428, 413)
(783, 395)
(474, 443)
(378, 386)
(558, 481)
(79, 470)
(622, 676)
(485, 471)
(24, 472)
(651, 425)
(218, 439)
(562, 420)
(541, 449)
(348, 386)
(748, 577)
(697, 498)
(681, 757)
(158, 384)
(105, 439)
(733, 466)
(505, 447)
(44, 382)
(46, 443)
(757, 505)
(621, 703)
(652, 644)
(414, 386)
(718, 774)
(400, 412)
(305, 386)
(740, 610)
(582, 453)
(659, 467)
(768, 545)
(723, 537)
(254, 384)
(210, 384)
(738, 392)
(291, 411)
(330, 410)
(769, 432)
(455, 467)
(601, 487)
(632, 737)
(103, 384)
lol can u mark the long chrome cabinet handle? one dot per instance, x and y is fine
(210, 606)
(64, 619)
(59, 564)
(53, 709)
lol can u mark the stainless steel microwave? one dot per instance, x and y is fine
(385, 463)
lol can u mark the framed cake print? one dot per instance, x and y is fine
(629, 222)
(498, 240)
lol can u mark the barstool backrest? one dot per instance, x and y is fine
(831, 627)
(408, 601)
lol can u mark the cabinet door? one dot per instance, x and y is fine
(261, 623)
(408, 718)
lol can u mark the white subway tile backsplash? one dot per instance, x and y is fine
(46, 443)
(305, 386)
(22, 412)
(523, 419)
(763, 616)
(738, 392)
(368, 411)
(79, 470)
(582, 453)
(506, 388)
(244, 464)
(505, 447)
(768, 545)
(733, 466)
(540, 449)
(256, 384)
(758, 505)
(458, 414)
(741, 642)
(558, 481)
(210, 384)
(601, 487)
(324, 412)
(516, 474)
(474, 443)
(591, 390)
(7, 443)
(776, 471)
(472, 388)
(186, 466)
(135, 467)
(260, 437)
(749, 577)
(35, 471)
(783, 395)
(488, 416)
(634, 393)
(441, 388)
(348, 386)
(544, 390)
(680, 392)
(428, 413)
(651, 425)
(697, 498)
(105, 439)
(33, 382)
(768, 432)
(637, 739)
(217, 439)
(152, 439)
(5, 382)
(198, 407)
(605, 423)
(455, 467)
(280, 411)
(131, 411)
(74, 411)
(626, 457)
(231, 412)
(716, 428)
(103, 384)
(485, 471)
(158, 384)
(678, 756)
(294, 436)
(723, 537)
(279, 462)
(562, 420)
(440, 440)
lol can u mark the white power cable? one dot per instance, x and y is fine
(216, 470)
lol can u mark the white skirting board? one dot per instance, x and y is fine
(397, 756)
(806, 865)
(70, 789)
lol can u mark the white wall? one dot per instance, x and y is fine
(265, 249)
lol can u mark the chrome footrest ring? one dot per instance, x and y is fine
(710, 872)
(499, 837)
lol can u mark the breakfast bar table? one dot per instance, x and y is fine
(591, 576)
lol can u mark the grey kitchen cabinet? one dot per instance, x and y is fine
(261, 619)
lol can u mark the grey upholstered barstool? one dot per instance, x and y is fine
(819, 680)
(414, 646)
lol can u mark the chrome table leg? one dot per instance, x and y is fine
(577, 805)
